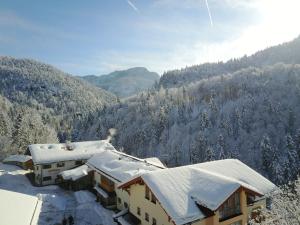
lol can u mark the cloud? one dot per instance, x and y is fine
(132, 6)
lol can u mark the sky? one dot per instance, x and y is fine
(100, 36)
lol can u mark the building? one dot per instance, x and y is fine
(111, 168)
(223, 192)
(17, 208)
(23, 161)
(76, 179)
(51, 159)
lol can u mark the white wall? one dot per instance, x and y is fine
(40, 173)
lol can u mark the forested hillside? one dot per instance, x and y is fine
(39, 103)
(245, 109)
(29, 82)
(125, 83)
(22, 125)
(285, 53)
(250, 114)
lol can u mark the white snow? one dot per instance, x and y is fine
(121, 213)
(84, 197)
(208, 184)
(155, 161)
(54, 202)
(76, 173)
(17, 158)
(101, 192)
(17, 208)
(122, 221)
(48, 153)
(239, 171)
(120, 166)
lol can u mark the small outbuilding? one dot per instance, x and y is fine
(23, 161)
(76, 179)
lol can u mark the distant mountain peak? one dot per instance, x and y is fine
(125, 83)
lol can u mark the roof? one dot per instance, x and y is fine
(49, 153)
(76, 173)
(180, 190)
(155, 161)
(18, 208)
(120, 166)
(17, 158)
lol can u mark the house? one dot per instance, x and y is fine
(77, 179)
(111, 168)
(17, 208)
(223, 192)
(23, 161)
(51, 159)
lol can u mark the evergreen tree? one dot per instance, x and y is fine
(221, 147)
(209, 154)
(199, 148)
(292, 169)
(269, 157)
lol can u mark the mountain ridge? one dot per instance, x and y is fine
(124, 83)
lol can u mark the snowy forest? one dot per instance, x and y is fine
(245, 108)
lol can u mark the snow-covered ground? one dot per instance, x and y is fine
(57, 202)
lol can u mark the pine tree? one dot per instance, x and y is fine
(221, 147)
(199, 148)
(269, 157)
(291, 171)
(297, 143)
(209, 154)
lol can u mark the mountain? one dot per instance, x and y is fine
(40, 103)
(33, 83)
(288, 52)
(126, 82)
(206, 112)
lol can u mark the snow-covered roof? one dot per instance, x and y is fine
(180, 189)
(17, 208)
(76, 173)
(17, 158)
(155, 161)
(120, 166)
(48, 153)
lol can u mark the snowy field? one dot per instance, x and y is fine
(57, 202)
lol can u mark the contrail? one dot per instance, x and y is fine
(209, 14)
(133, 6)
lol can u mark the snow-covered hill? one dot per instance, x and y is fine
(125, 83)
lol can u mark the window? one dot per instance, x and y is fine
(147, 193)
(147, 217)
(119, 201)
(60, 164)
(47, 166)
(47, 178)
(231, 207)
(153, 221)
(138, 211)
(126, 205)
(78, 162)
(153, 198)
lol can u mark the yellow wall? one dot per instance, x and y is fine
(137, 199)
(122, 194)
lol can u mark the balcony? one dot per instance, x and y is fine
(229, 213)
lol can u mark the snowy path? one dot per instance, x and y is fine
(57, 202)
